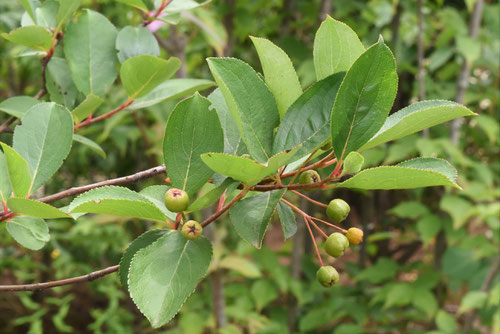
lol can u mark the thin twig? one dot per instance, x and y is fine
(226, 207)
(317, 227)
(80, 279)
(314, 241)
(329, 224)
(310, 199)
(89, 120)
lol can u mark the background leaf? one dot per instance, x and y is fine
(61, 88)
(5, 188)
(31, 233)
(91, 144)
(287, 220)
(88, 106)
(136, 41)
(17, 106)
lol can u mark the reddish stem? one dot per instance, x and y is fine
(226, 207)
(89, 121)
(310, 199)
(329, 224)
(222, 199)
(317, 227)
(164, 3)
(314, 241)
(171, 224)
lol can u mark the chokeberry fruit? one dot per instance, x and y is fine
(336, 244)
(354, 235)
(309, 176)
(327, 276)
(176, 200)
(191, 229)
(337, 210)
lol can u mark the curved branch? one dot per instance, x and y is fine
(47, 285)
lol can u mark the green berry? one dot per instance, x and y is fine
(338, 210)
(191, 229)
(327, 276)
(354, 235)
(176, 200)
(309, 176)
(336, 244)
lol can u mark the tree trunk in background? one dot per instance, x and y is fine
(228, 22)
(420, 58)
(326, 9)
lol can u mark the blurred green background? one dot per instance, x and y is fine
(429, 262)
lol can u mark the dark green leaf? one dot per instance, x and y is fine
(287, 220)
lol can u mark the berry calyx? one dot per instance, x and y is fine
(336, 244)
(191, 229)
(176, 200)
(354, 235)
(327, 276)
(337, 210)
(309, 176)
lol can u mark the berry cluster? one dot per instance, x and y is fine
(177, 200)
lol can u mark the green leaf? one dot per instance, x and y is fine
(44, 139)
(429, 226)
(399, 295)
(425, 301)
(473, 300)
(250, 216)
(446, 322)
(118, 201)
(287, 220)
(382, 270)
(458, 208)
(32, 208)
(416, 117)
(279, 73)
(409, 209)
(307, 121)
(90, 143)
(139, 4)
(241, 265)
(415, 173)
(210, 197)
(18, 171)
(263, 292)
(164, 274)
(170, 90)
(244, 169)
(192, 129)
(352, 163)
(28, 8)
(34, 36)
(233, 143)
(61, 88)
(5, 189)
(31, 233)
(139, 243)
(156, 194)
(250, 102)
(89, 47)
(88, 106)
(136, 41)
(17, 106)
(65, 11)
(459, 263)
(141, 74)
(364, 99)
(336, 47)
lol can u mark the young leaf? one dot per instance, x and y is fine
(156, 194)
(35, 37)
(416, 117)
(307, 121)
(279, 73)
(44, 139)
(90, 143)
(415, 173)
(164, 274)
(141, 74)
(18, 171)
(364, 99)
(139, 4)
(31, 233)
(89, 47)
(250, 102)
(17, 106)
(170, 90)
(287, 220)
(136, 41)
(243, 169)
(250, 216)
(118, 201)
(88, 106)
(336, 47)
(192, 129)
(32, 208)
(28, 8)
(139, 243)
(61, 88)
(66, 9)
(352, 163)
(210, 197)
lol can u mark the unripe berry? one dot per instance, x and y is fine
(191, 229)
(176, 200)
(309, 176)
(336, 244)
(327, 276)
(337, 210)
(354, 235)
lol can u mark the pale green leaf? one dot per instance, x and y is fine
(352, 163)
(34, 36)
(446, 322)
(141, 74)
(5, 188)
(18, 171)
(250, 102)
(241, 265)
(28, 7)
(263, 292)
(156, 194)
(336, 47)
(210, 197)
(136, 41)
(44, 139)
(60, 86)
(473, 300)
(192, 129)
(164, 274)
(31, 233)
(88, 106)
(66, 10)
(32, 208)
(91, 144)
(416, 117)
(17, 106)
(279, 73)
(364, 99)
(425, 301)
(139, 4)
(429, 226)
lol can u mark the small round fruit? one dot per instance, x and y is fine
(176, 200)
(336, 244)
(191, 229)
(309, 176)
(327, 276)
(337, 210)
(354, 235)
